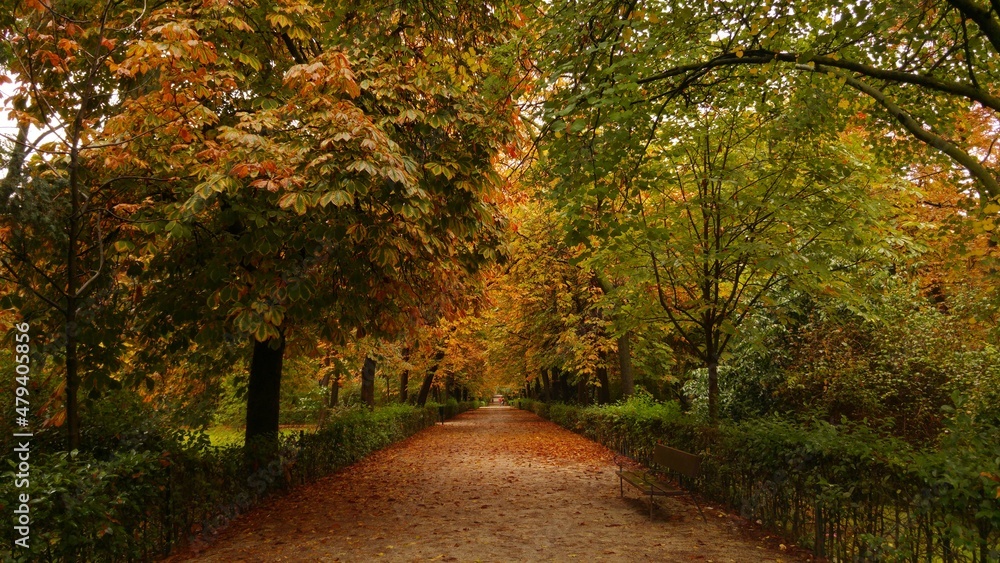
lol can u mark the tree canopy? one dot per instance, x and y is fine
(567, 201)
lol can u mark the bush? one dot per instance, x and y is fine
(304, 408)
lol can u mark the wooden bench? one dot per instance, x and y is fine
(664, 457)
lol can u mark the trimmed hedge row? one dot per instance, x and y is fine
(844, 491)
(138, 506)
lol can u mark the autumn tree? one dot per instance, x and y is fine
(326, 166)
(66, 191)
(739, 204)
(914, 66)
(356, 185)
(544, 318)
(711, 206)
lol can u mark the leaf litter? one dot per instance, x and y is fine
(495, 484)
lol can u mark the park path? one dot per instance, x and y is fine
(495, 484)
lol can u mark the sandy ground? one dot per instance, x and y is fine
(495, 484)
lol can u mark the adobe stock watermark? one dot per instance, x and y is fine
(22, 435)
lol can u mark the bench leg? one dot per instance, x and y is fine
(651, 503)
(698, 504)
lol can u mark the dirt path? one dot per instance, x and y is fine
(496, 484)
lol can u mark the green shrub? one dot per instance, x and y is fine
(304, 408)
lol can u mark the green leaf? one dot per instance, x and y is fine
(338, 198)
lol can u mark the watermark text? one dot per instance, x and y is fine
(22, 435)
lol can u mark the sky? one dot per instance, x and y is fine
(7, 127)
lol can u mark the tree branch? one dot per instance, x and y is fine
(975, 168)
(762, 56)
(982, 17)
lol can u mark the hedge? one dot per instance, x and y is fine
(139, 505)
(844, 491)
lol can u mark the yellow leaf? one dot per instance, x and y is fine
(286, 201)
(279, 20)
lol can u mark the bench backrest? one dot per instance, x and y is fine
(677, 460)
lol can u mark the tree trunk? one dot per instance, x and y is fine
(404, 383)
(625, 364)
(582, 397)
(546, 386)
(624, 348)
(72, 376)
(425, 387)
(335, 390)
(264, 389)
(72, 290)
(404, 378)
(563, 384)
(604, 391)
(368, 382)
(713, 390)
(449, 387)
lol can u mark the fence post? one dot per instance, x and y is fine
(819, 548)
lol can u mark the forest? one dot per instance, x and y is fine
(246, 243)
